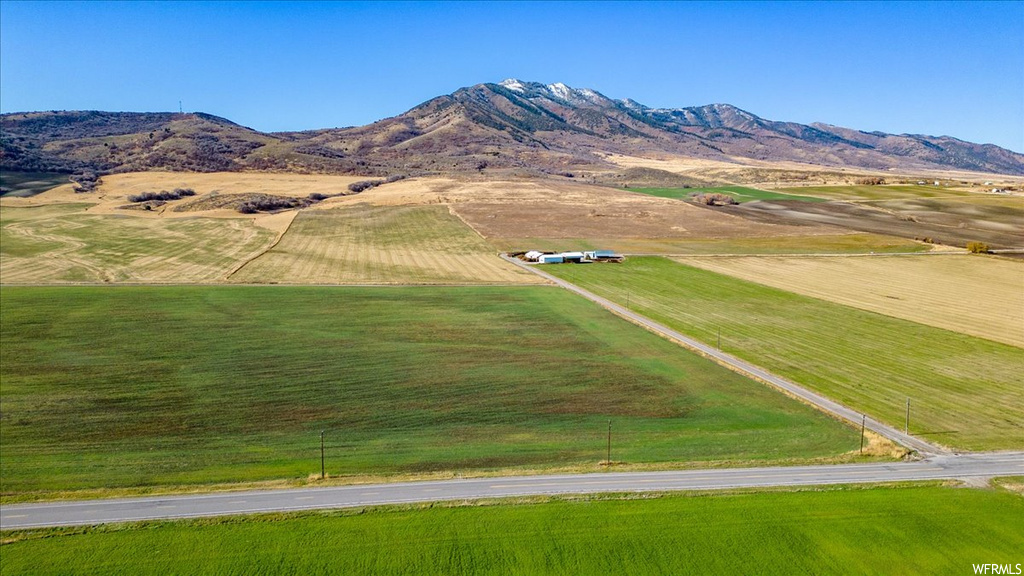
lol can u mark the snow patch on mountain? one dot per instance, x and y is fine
(513, 84)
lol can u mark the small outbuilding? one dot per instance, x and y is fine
(572, 256)
(550, 259)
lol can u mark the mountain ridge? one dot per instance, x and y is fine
(510, 124)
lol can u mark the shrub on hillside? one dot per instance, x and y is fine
(266, 203)
(85, 181)
(163, 195)
(363, 185)
(875, 181)
(714, 199)
(977, 248)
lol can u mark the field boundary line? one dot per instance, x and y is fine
(273, 245)
(451, 210)
(753, 371)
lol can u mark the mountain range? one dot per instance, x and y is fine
(550, 128)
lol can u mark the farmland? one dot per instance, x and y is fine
(965, 391)
(119, 387)
(879, 530)
(739, 193)
(117, 187)
(884, 192)
(555, 210)
(970, 294)
(555, 215)
(364, 244)
(58, 243)
(816, 244)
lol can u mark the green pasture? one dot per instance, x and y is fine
(965, 392)
(114, 387)
(883, 530)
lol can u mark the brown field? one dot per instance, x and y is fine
(364, 244)
(564, 210)
(976, 295)
(998, 226)
(852, 243)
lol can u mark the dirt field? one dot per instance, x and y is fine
(363, 244)
(998, 226)
(976, 295)
(503, 211)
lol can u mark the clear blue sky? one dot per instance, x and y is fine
(934, 68)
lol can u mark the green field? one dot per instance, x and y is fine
(883, 192)
(160, 386)
(740, 193)
(24, 184)
(882, 530)
(965, 392)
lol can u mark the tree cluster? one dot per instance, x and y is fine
(363, 185)
(163, 195)
(85, 181)
(267, 203)
(714, 199)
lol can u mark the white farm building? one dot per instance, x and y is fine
(572, 257)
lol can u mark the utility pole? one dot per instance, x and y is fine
(609, 460)
(863, 419)
(322, 475)
(719, 337)
(906, 426)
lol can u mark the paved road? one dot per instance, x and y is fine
(103, 511)
(939, 464)
(743, 367)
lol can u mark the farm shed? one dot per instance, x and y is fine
(533, 255)
(572, 256)
(550, 259)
